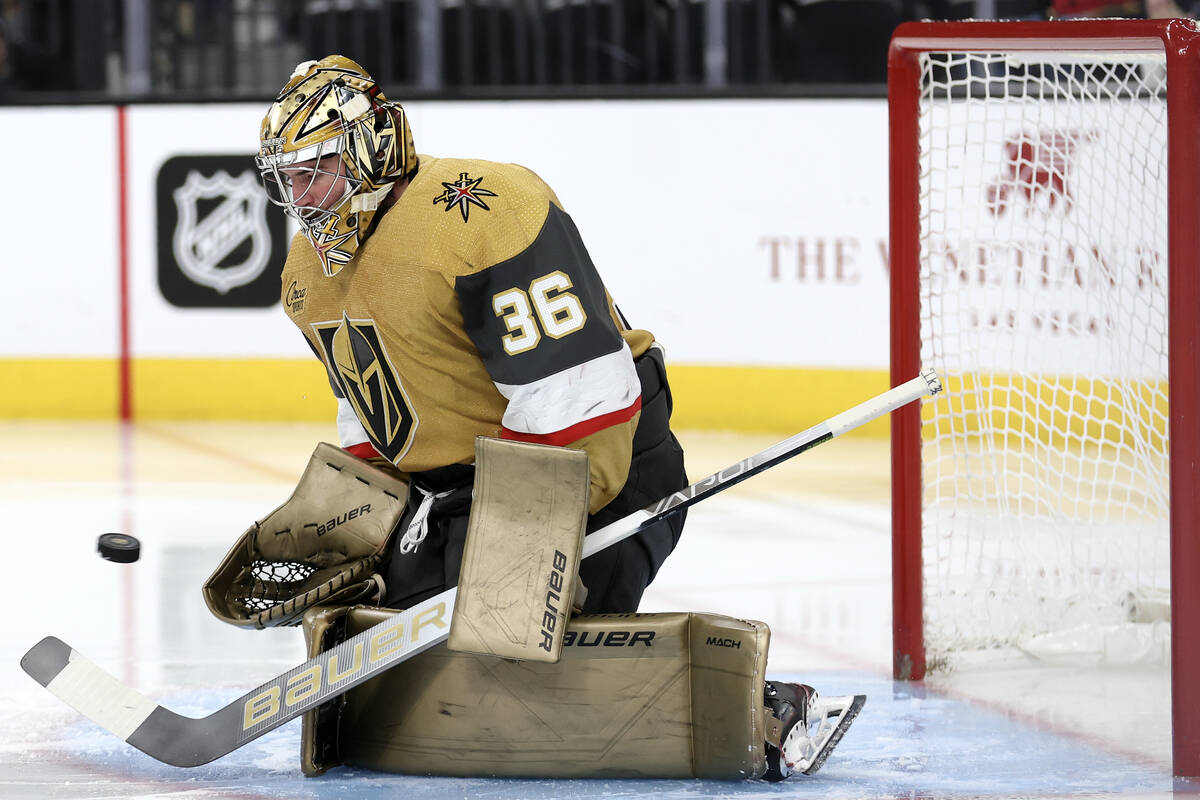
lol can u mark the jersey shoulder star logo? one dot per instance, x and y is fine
(464, 193)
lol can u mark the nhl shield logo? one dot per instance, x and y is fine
(236, 213)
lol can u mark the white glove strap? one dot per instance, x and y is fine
(418, 529)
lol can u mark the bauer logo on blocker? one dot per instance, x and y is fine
(220, 243)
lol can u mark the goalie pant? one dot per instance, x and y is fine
(615, 577)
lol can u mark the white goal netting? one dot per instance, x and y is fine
(1043, 276)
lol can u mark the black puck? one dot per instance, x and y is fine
(119, 547)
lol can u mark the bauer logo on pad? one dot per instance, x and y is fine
(220, 243)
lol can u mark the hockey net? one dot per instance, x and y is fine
(1031, 234)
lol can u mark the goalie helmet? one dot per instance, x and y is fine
(331, 147)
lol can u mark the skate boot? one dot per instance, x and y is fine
(809, 727)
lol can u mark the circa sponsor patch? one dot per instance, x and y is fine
(293, 298)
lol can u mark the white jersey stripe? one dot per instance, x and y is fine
(350, 430)
(554, 403)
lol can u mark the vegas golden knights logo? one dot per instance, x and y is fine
(358, 363)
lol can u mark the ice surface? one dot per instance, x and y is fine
(804, 547)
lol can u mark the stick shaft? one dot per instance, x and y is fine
(920, 386)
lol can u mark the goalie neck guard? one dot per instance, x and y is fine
(331, 148)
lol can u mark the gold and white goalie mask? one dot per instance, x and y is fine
(331, 148)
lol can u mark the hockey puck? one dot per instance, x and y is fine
(119, 547)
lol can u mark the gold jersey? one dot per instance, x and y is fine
(472, 309)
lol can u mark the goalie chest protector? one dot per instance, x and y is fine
(633, 696)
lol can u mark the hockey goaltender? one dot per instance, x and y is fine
(493, 407)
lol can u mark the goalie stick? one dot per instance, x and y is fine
(188, 742)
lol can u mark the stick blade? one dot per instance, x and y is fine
(85, 687)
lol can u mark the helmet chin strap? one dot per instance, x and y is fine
(369, 201)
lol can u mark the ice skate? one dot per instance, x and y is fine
(810, 727)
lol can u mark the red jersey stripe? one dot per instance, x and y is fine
(578, 430)
(364, 450)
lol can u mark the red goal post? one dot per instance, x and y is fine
(1037, 181)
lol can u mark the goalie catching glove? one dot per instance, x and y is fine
(322, 546)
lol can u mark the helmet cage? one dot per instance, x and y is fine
(311, 183)
(332, 148)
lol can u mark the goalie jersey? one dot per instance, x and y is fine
(472, 309)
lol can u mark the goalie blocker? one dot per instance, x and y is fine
(520, 563)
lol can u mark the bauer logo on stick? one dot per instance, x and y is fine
(346, 665)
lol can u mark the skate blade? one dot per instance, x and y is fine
(840, 727)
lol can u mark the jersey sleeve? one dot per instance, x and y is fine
(352, 436)
(541, 323)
